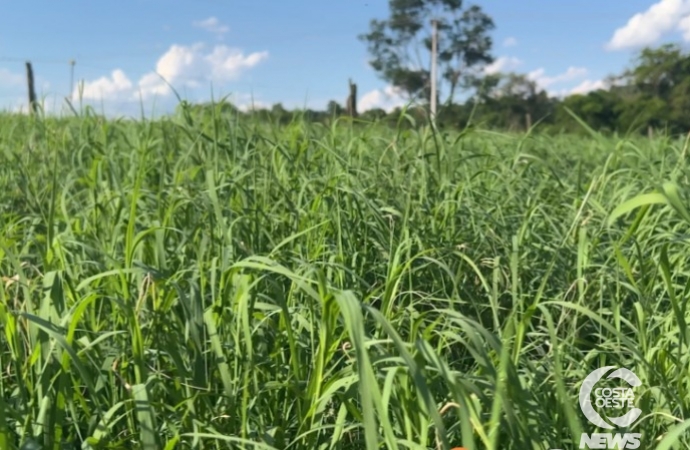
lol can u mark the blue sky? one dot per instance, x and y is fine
(298, 52)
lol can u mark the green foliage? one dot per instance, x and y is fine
(211, 281)
(509, 101)
(653, 94)
(463, 43)
(599, 109)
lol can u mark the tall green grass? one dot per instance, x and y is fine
(212, 284)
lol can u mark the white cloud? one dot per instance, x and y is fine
(648, 27)
(684, 27)
(151, 84)
(387, 99)
(502, 64)
(253, 105)
(510, 42)
(181, 66)
(10, 78)
(543, 81)
(588, 86)
(227, 64)
(212, 25)
(106, 88)
(190, 66)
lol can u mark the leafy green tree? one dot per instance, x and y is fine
(680, 105)
(600, 109)
(334, 109)
(280, 114)
(397, 43)
(511, 100)
(658, 71)
(454, 115)
(373, 114)
(658, 89)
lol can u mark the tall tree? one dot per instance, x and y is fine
(397, 43)
(658, 89)
(659, 70)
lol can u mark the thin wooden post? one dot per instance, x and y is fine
(33, 106)
(434, 51)
(351, 105)
(528, 120)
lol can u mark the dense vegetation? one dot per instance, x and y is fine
(653, 93)
(220, 283)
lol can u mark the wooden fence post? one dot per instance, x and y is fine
(351, 105)
(33, 106)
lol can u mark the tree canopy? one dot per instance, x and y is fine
(653, 92)
(400, 46)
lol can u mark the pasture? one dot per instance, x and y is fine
(211, 283)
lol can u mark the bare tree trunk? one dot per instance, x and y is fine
(351, 104)
(33, 106)
(650, 132)
(434, 55)
(528, 121)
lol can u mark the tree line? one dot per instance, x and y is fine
(652, 94)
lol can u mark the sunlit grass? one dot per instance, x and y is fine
(212, 283)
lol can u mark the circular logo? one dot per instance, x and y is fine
(609, 397)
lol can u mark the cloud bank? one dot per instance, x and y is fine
(387, 99)
(648, 27)
(181, 66)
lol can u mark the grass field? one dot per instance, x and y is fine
(213, 284)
